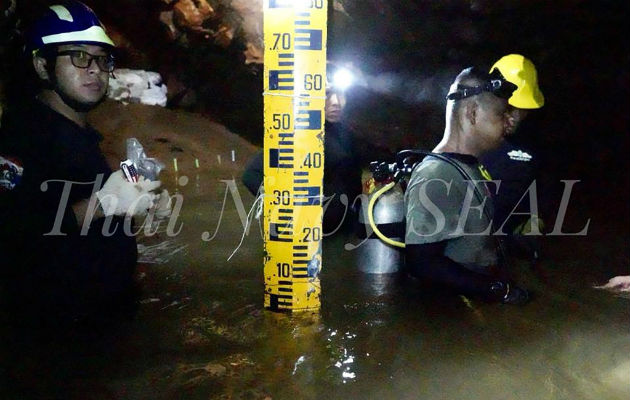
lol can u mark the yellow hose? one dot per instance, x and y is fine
(371, 217)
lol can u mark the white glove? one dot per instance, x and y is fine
(121, 197)
(163, 206)
(617, 284)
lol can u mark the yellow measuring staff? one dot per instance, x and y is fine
(294, 98)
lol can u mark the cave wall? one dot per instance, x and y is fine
(209, 54)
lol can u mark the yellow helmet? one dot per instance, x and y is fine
(521, 71)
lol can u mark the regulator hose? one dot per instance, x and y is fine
(371, 216)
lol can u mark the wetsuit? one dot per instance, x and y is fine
(64, 275)
(342, 175)
(444, 245)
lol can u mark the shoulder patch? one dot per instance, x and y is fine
(519, 155)
(11, 172)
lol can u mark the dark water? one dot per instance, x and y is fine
(201, 331)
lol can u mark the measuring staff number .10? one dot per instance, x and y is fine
(284, 270)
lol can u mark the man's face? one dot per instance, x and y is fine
(85, 87)
(513, 118)
(335, 103)
(492, 127)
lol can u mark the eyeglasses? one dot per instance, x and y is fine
(83, 59)
(496, 85)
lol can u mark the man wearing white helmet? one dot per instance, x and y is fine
(65, 254)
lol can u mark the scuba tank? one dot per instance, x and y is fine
(383, 222)
(382, 252)
(388, 213)
(383, 256)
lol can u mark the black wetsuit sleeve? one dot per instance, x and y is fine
(254, 173)
(428, 263)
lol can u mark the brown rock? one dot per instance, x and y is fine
(215, 369)
(251, 15)
(191, 14)
(338, 6)
(224, 35)
(253, 54)
(166, 18)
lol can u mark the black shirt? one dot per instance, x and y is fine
(516, 168)
(46, 260)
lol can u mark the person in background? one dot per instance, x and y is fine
(66, 256)
(515, 166)
(449, 208)
(342, 169)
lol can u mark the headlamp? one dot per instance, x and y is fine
(342, 79)
(496, 85)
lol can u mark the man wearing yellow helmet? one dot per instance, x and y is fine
(513, 165)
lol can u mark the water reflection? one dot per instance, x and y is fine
(378, 337)
(341, 348)
(202, 333)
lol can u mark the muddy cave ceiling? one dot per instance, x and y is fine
(209, 53)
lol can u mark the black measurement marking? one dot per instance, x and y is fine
(273, 158)
(308, 120)
(278, 161)
(283, 136)
(281, 79)
(300, 272)
(307, 196)
(308, 39)
(278, 229)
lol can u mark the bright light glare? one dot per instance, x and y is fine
(342, 79)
